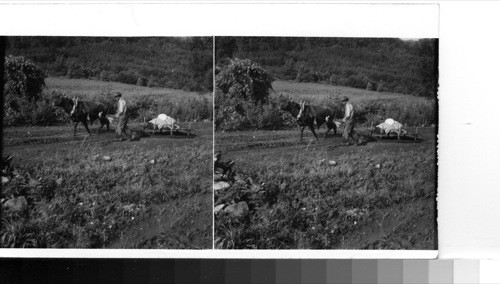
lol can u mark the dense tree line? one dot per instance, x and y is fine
(178, 63)
(382, 64)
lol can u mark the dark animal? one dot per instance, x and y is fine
(83, 111)
(311, 116)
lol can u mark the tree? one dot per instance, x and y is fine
(24, 82)
(244, 79)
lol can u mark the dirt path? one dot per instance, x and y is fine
(256, 145)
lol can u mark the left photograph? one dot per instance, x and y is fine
(107, 142)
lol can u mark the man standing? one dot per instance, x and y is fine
(349, 121)
(122, 117)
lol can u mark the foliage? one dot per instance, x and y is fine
(25, 102)
(244, 79)
(232, 114)
(409, 67)
(179, 63)
(24, 82)
(141, 106)
(235, 114)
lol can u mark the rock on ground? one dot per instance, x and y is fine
(16, 204)
(221, 185)
(239, 209)
(218, 208)
(5, 180)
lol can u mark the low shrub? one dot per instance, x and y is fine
(233, 114)
(40, 112)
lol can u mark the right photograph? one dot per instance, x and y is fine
(325, 143)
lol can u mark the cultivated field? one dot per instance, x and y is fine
(324, 196)
(319, 195)
(92, 192)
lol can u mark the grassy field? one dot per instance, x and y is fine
(92, 192)
(314, 92)
(319, 195)
(85, 87)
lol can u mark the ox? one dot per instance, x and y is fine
(310, 116)
(316, 116)
(81, 111)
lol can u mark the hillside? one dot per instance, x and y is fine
(177, 63)
(317, 93)
(394, 65)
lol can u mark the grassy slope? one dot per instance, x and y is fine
(307, 203)
(317, 92)
(85, 87)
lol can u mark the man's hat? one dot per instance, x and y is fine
(117, 95)
(344, 98)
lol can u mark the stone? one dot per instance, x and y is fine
(221, 185)
(236, 210)
(106, 158)
(378, 166)
(5, 180)
(218, 177)
(59, 181)
(332, 163)
(16, 204)
(218, 208)
(153, 161)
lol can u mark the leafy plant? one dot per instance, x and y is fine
(245, 80)
(24, 82)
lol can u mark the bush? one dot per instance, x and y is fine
(24, 101)
(244, 79)
(104, 76)
(232, 114)
(24, 82)
(141, 82)
(374, 112)
(380, 87)
(40, 112)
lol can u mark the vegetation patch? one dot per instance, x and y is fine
(320, 196)
(88, 193)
